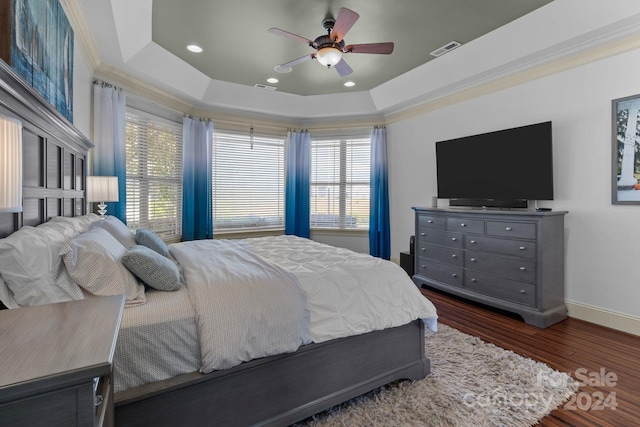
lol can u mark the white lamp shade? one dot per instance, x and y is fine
(102, 188)
(10, 164)
(329, 56)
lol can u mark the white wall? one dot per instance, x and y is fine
(82, 91)
(602, 240)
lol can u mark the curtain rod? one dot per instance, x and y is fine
(104, 84)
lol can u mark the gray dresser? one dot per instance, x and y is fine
(512, 260)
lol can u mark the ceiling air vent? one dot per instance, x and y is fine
(267, 87)
(446, 48)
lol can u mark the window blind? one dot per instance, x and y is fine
(248, 180)
(340, 183)
(154, 174)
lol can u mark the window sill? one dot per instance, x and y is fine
(243, 234)
(247, 233)
(340, 231)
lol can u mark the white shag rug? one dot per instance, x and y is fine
(472, 383)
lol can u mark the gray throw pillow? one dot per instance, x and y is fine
(148, 238)
(155, 270)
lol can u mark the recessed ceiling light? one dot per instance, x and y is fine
(194, 48)
(349, 84)
(272, 80)
(281, 69)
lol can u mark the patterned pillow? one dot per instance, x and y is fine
(155, 270)
(117, 229)
(148, 238)
(93, 262)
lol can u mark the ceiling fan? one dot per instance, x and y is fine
(331, 47)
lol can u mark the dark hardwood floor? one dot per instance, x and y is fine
(605, 360)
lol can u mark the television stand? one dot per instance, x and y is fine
(512, 260)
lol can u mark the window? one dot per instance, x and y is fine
(340, 183)
(154, 174)
(247, 181)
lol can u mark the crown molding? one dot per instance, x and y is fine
(75, 14)
(555, 60)
(143, 89)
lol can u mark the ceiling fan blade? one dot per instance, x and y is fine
(299, 60)
(345, 20)
(380, 48)
(343, 68)
(284, 33)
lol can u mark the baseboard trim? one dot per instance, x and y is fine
(603, 317)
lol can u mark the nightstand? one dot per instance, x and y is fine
(57, 362)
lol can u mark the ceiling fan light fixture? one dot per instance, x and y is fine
(328, 56)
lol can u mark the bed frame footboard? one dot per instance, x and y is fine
(283, 389)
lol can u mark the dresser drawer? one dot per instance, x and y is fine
(498, 287)
(448, 274)
(465, 225)
(517, 230)
(442, 238)
(442, 254)
(518, 248)
(511, 268)
(427, 221)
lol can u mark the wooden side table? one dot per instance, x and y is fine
(57, 362)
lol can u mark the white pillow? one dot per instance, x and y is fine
(117, 229)
(93, 262)
(28, 264)
(70, 227)
(6, 296)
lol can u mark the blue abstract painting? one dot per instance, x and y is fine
(42, 51)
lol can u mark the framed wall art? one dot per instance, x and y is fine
(625, 146)
(36, 41)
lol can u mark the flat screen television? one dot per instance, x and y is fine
(504, 169)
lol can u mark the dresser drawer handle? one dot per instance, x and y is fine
(522, 291)
(423, 234)
(454, 275)
(522, 248)
(423, 249)
(430, 221)
(473, 260)
(454, 239)
(454, 256)
(473, 242)
(508, 228)
(522, 268)
(424, 266)
(473, 280)
(463, 225)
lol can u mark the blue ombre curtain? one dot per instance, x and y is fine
(379, 228)
(109, 122)
(298, 184)
(197, 219)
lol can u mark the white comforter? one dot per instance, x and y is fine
(348, 293)
(246, 307)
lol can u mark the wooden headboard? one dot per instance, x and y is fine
(54, 156)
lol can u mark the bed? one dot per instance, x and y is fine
(315, 368)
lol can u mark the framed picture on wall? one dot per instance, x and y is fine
(36, 41)
(625, 146)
